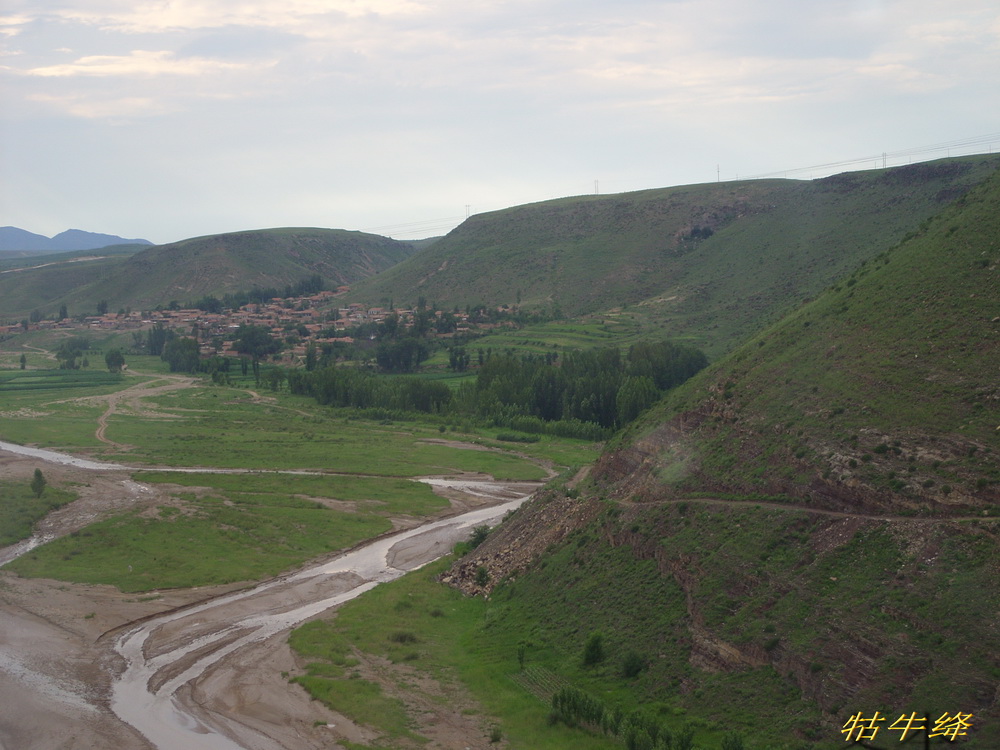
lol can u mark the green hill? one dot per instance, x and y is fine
(806, 530)
(881, 394)
(194, 268)
(710, 263)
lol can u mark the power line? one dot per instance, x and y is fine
(426, 225)
(972, 145)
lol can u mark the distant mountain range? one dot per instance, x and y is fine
(15, 240)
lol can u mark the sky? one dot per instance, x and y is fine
(168, 119)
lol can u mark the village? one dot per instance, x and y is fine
(296, 322)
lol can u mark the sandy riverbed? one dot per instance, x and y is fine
(61, 644)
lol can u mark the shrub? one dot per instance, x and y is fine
(593, 651)
(479, 534)
(632, 664)
(482, 576)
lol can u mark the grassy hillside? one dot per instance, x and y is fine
(770, 245)
(194, 268)
(12, 260)
(881, 394)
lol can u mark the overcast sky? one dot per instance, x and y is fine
(168, 119)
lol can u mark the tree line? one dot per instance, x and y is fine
(582, 394)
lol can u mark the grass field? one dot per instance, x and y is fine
(20, 509)
(254, 525)
(225, 428)
(199, 540)
(375, 495)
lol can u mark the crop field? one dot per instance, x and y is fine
(47, 380)
(613, 329)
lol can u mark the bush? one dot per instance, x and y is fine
(632, 664)
(510, 437)
(479, 534)
(482, 576)
(593, 651)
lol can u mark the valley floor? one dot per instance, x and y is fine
(205, 664)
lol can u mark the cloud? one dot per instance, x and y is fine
(11, 26)
(137, 63)
(173, 15)
(116, 110)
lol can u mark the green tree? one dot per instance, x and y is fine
(404, 355)
(115, 360)
(156, 338)
(24, 361)
(70, 350)
(458, 359)
(593, 651)
(632, 664)
(255, 341)
(181, 354)
(685, 738)
(38, 483)
(63, 313)
(635, 395)
(102, 307)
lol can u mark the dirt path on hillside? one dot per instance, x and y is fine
(797, 507)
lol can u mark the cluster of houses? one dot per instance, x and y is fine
(296, 321)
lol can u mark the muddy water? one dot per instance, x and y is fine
(59, 458)
(166, 654)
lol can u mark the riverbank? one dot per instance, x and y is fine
(214, 666)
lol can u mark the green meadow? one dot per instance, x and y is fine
(21, 509)
(200, 540)
(214, 528)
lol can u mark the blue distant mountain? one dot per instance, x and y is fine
(13, 239)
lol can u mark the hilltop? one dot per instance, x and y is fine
(199, 267)
(708, 263)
